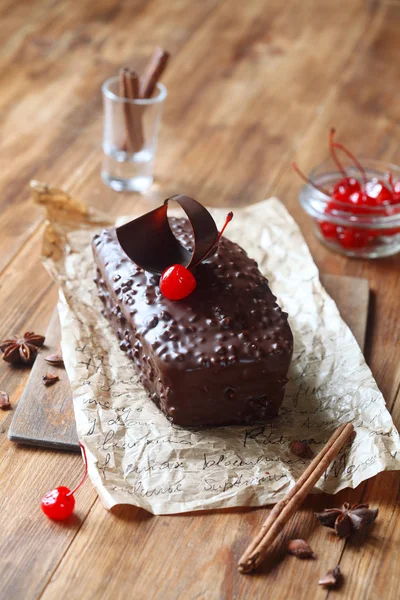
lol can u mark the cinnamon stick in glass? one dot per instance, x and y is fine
(129, 88)
(283, 510)
(155, 69)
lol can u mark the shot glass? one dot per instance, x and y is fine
(130, 133)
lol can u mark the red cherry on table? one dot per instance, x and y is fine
(177, 282)
(58, 504)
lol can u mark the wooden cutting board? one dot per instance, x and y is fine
(45, 416)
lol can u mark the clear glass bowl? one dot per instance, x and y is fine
(369, 232)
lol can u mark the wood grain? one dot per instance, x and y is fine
(351, 295)
(45, 415)
(252, 85)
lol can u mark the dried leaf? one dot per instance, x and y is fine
(50, 379)
(300, 548)
(4, 401)
(55, 359)
(331, 579)
(301, 449)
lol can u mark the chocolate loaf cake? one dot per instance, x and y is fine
(219, 356)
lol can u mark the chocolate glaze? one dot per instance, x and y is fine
(219, 356)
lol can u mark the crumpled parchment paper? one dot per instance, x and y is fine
(137, 457)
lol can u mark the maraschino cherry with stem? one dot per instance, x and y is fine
(344, 194)
(347, 186)
(336, 146)
(374, 192)
(356, 197)
(59, 504)
(308, 180)
(177, 281)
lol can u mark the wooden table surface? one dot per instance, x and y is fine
(252, 85)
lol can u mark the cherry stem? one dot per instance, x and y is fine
(85, 473)
(390, 179)
(353, 158)
(333, 153)
(308, 180)
(228, 219)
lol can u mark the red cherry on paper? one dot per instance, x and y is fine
(177, 282)
(58, 504)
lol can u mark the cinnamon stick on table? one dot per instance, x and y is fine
(129, 88)
(155, 69)
(283, 510)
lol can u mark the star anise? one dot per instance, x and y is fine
(348, 518)
(21, 349)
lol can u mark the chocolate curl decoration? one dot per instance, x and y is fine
(149, 242)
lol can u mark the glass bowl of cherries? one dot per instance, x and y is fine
(355, 206)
